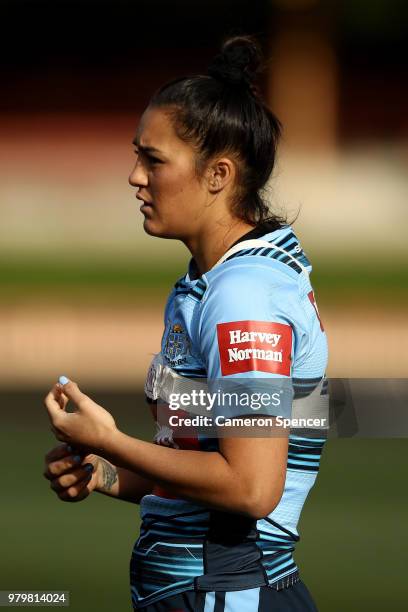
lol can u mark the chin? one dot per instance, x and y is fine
(148, 227)
(155, 229)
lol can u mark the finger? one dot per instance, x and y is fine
(76, 490)
(73, 392)
(57, 468)
(72, 478)
(70, 497)
(62, 399)
(51, 403)
(56, 486)
(62, 450)
(58, 392)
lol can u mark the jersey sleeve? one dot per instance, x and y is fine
(252, 330)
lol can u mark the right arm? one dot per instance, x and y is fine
(71, 481)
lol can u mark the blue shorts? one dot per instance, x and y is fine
(295, 598)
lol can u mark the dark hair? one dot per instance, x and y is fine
(223, 113)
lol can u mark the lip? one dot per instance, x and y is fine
(145, 207)
(145, 202)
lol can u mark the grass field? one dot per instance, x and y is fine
(351, 554)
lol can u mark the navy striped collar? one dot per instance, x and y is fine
(258, 231)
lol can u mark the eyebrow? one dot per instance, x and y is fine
(148, 149)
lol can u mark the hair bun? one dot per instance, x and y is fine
(238, 62)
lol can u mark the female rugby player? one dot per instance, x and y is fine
(219, 515)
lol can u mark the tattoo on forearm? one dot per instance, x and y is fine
(109, 475)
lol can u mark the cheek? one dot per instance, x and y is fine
(176, 184)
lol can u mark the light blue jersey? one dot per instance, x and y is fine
(253, 317)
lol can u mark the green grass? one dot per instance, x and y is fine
(89, 280)
(352, 552)
(84, 280)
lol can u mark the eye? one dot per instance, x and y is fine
(154, 160)
(150, 158)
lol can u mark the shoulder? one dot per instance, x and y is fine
(251, 291)
(248, 277)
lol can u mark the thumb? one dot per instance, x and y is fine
(71, 390)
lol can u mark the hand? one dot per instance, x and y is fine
(68, 476)
(88, 427)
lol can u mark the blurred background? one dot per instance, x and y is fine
(83, 288)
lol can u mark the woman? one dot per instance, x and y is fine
(219, 516)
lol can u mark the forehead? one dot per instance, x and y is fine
(155, 130)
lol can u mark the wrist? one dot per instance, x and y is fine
(111, 444)
(99, 475)
(107, 477)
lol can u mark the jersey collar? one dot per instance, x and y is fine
(261, 230)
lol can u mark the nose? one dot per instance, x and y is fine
(138, 176)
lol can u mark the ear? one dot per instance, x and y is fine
(220, 173)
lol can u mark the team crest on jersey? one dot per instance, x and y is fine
(246, 346)
(176, 345)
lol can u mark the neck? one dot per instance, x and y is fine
(211, 243)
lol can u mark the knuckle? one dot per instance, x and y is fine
(62, 481)
(64, 465)
(58, 468)
(53, 469)
(67, 480)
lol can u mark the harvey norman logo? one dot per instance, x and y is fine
(246, 346)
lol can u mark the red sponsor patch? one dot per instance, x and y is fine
(246, 346)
